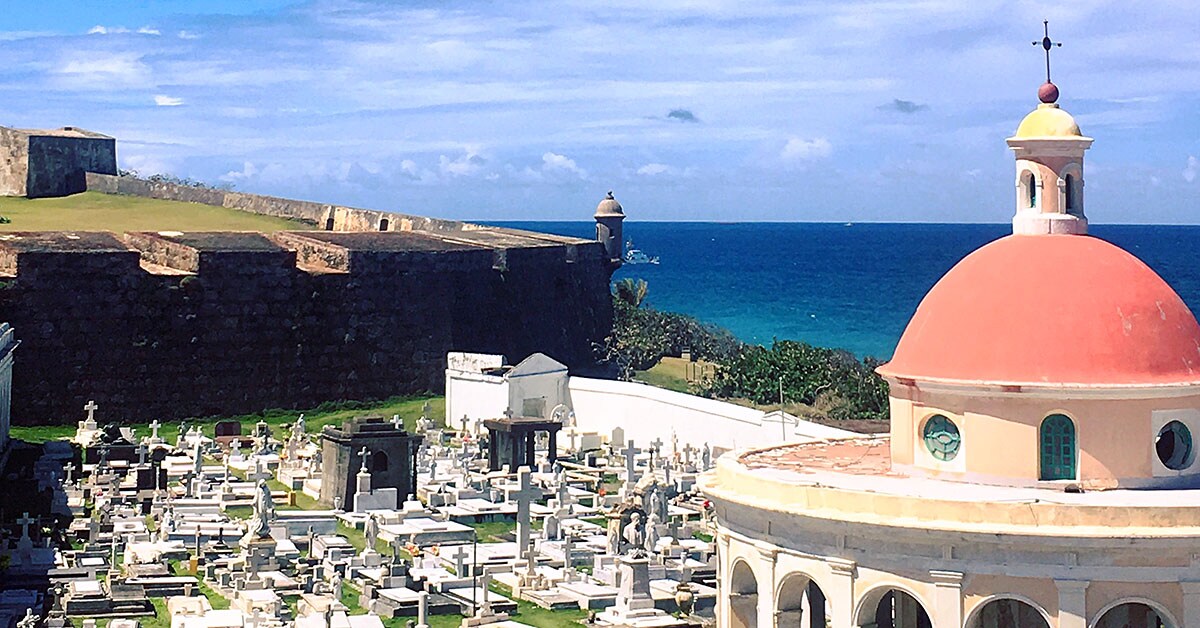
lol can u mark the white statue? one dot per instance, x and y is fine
(370, 533)
(652, 533)
(264, 508)
(633, 534)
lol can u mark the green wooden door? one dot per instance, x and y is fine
(1058, 448)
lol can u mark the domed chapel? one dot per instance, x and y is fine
(1040, 470)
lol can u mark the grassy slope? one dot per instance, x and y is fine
(92, 211)
(409, 408)
(674, 373)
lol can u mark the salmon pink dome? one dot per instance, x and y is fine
(1050, 310)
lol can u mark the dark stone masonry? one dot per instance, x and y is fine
(167, 325)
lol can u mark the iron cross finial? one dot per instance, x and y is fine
(1046, 43)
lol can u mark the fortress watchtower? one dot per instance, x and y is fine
(38, 164)
(609, 217)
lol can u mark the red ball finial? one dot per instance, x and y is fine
(1048, 92)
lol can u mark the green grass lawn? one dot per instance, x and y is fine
(93, 211)
(409, 409)
(673, 373)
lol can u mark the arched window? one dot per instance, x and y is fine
(1032, 185)
(1057, 453)
(383, 224)
(1070, 193)
(1132, 614)
(743, 597)
(329, 223)
(379, 462)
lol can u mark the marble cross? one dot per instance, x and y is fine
(91, 408)
(363, 453)
(460, 560)
(154, 425)
(524, 496)
(259, 472)
(630, 461)
(70, 468)
(24, 522)
(423, 609)
(397, 422)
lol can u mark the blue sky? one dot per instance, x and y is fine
(688, 109)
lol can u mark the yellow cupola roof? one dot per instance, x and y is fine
(1048, 120)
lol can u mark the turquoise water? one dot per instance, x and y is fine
(834, 285)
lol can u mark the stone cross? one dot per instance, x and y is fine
(460, 560)
(524, 496)
(141, 452)
(154, 425)
(508, 413)
(91, 408)
(70, 468)
(397, 422)
(363, 453)
(567, 563)
(24, 522)
(423, 609)
(630, 471)
(485, 609)
(259, 472)
(255, 618)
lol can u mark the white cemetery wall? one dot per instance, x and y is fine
(475, 395)
(647, 413)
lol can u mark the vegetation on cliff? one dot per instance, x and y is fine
(830, 383)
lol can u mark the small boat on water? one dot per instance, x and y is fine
(637, 256)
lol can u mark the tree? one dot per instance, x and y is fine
(632, 292)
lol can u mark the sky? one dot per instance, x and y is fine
(718, 110)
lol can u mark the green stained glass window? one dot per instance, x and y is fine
(1058, 448)
(1174, 446)
(941, 437)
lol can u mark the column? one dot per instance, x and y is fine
(947, 598)
(841, 592)
(1072, 603)
(766, 586)
(1191, 603)
(722, 608)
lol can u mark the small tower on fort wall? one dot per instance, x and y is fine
(1049, 149)
(609, 217)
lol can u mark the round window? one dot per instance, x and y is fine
(941, 437)
(1174, 446)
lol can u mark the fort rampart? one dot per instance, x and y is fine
(167, 325)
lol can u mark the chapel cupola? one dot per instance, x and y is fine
(609, 218)
(1049, 148)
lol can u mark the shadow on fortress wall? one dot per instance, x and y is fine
(171, 325)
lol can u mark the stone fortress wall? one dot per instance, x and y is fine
(38, 164)
(168, 325)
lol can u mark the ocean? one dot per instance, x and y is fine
(834, 285)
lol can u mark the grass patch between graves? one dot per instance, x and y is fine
(408, 407)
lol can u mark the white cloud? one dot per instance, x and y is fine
(188, 35)
(163, 100)
(1193, 167)
(146, 30)
(798, 149)
(655, 169)
(100, 29)
(553, 162)
(469, 164)
(104, 71)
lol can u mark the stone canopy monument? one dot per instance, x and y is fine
(391, 462)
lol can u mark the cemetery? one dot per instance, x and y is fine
(520, 514)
